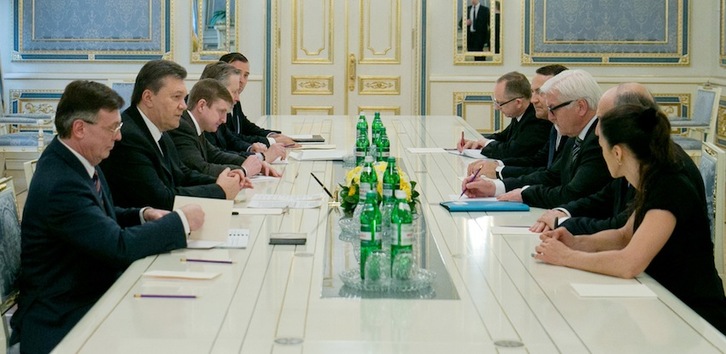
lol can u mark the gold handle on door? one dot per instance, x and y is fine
(351, 72)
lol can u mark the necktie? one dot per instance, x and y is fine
(552, 147)
(576, 148)
(473, 10)
(99, 191)
(203, 146)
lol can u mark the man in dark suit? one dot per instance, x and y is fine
(608, 208)
(75, 242)
(210, 101)
(525, 134)
(545, 156)
(144, 168)
(477, 27)
(239, 132)
(571, 98)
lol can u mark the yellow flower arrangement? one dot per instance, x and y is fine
(349, 191)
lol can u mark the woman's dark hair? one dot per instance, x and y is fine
(646, 132)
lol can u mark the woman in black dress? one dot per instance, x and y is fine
(667, 235)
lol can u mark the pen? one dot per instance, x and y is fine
(206, 260)
(463, 141)
(471, 180)
(290, 145)
(159, 296)
(321, 184)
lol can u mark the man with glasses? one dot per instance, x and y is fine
(525, 134)
(571, 99)
(546, 155)
(75, 242)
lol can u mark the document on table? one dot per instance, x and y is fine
(474, 153)
(613, 290)
(317, 155)
(258, 211)
(217, 217)
(455, 197)
(272, 201)
(414, 150)
(181, 275)
(316, 147)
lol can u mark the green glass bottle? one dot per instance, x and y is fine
(384, 146)
(361, 148)
(362, 126)
(370, 230)
(391, 179)
(402, 225)
(376, 127)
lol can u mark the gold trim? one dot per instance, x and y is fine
(196, 56)
(312, 85)
(379, 85)
(396, 110)
(298, 26)
(460, 98)
(365, 18)
(295, 110)
(722, 46)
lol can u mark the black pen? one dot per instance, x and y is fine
(321, 184)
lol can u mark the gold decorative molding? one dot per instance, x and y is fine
(384, 110)
(312, 85)
(379, 85)
(315, 46)
(312, 110)
(387, 47)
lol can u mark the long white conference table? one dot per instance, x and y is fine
(489, 296)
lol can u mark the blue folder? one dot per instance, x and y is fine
(483, 205)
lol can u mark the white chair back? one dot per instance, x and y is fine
(713, 170)
(29, 167)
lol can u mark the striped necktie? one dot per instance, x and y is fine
(576, 148)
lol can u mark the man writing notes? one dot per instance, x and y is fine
(75, 242)
(525, 134)
(571, 98)
(546, 155)
(144, 168)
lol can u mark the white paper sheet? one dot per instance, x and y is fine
(181, 275)
(217, 217)
(414, 150)
(613, 290)
(455, 197)
(258, 211)
(474, 153)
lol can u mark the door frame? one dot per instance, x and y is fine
(272, 58)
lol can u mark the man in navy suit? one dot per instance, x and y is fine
(144, 168)
(75, 242)
(572, 98)
(525, 134)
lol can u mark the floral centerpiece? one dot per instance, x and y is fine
(349, 192)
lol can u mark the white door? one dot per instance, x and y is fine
(345, 57)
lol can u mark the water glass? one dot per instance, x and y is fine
(377, 271)
(404, 266)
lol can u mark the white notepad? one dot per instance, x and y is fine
(181, 275)
(217, 217)
(474, 153)
(613, 290)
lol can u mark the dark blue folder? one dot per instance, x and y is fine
(483, 205)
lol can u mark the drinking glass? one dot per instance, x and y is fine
(377, 271)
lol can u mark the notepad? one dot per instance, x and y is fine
(613, 290)
(275, 201)
(181, 275)
(414, 150)
(258, 211)
(307, 138)
(473, 153)
(236, 238)
(217, 217)
(317, 155)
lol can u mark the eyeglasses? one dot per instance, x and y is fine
(113, 130)
(500, 105)
(553, 109)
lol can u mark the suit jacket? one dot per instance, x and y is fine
(238, 124)
(544, 158)
(520, 138)
(567, 179)
(609, 208)
(228, 141)
(75, 244)
(476, 41)
(197, 153)
(140, 175)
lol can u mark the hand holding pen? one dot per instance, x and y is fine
(473, 177)
(462, 143)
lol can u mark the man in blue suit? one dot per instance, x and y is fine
(75, 242)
